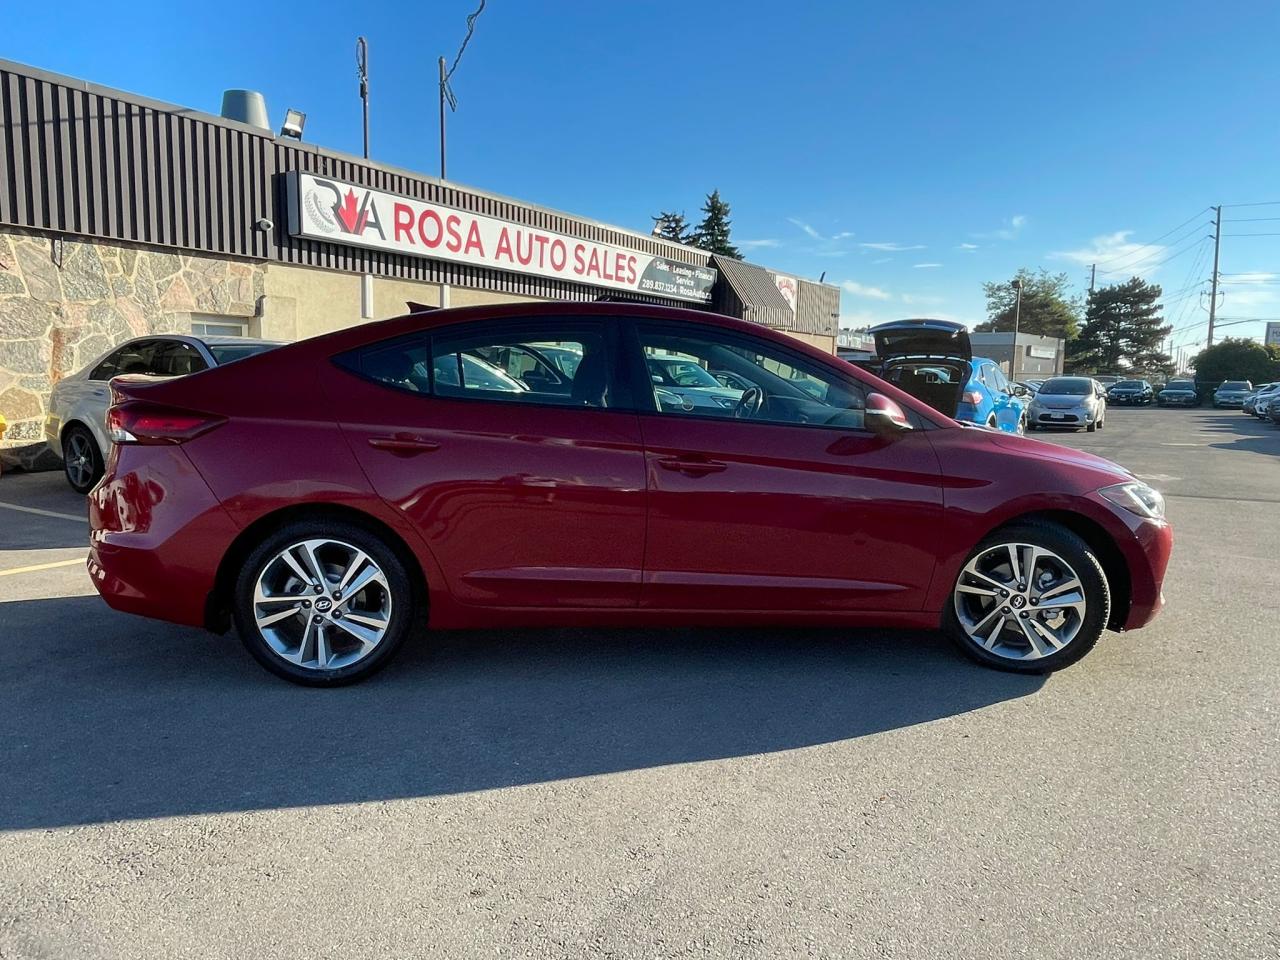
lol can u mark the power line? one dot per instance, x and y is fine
(1250, 219)
(1256, 203)
(1251, 234)
(1129, 253)
(1128, 267)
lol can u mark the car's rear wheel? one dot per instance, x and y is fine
(992, 424)
(81, 459)
(323, 603)
(1030, 598)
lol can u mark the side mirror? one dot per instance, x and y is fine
(884, 417)
(1020, 391)
(655, 378)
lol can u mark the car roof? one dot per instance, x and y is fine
(220, 339)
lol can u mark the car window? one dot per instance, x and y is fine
(136, 357)
(783, 388)
(224, 353)
(177, 358)
(504, 362)
(1068, 387)
(998, 380)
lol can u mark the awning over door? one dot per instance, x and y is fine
(747, 291)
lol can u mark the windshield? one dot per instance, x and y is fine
(1130, 384)
(228, 352)
(1068, 387)
(1235, 385)
(682, 373)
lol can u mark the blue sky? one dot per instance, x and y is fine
(908, 150)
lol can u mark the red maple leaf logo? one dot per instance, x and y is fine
(352, 219)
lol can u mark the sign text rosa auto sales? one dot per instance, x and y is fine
(335, 211)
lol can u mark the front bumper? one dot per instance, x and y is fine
(1178, 400)
(1071, 417)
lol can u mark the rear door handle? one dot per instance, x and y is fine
(694, 468)
(403, 445)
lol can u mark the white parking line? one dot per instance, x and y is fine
(42, 566)
(43, 513)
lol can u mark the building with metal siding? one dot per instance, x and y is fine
(122, 216)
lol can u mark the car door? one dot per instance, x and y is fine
(1007, 407)
(782, 501)
(526, 498)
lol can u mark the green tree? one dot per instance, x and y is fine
(671, 226)
(1123, 330)
(1046, 308)
(1237, 359)
(712, 234)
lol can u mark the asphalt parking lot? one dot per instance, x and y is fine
(658, 794)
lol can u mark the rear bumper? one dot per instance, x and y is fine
(156, 535)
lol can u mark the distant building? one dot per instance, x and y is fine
(1036, 357)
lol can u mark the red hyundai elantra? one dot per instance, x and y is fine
(598, 464)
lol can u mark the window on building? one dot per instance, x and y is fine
(219, 327)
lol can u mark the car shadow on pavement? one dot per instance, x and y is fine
(109, 717)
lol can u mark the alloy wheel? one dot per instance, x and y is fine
(322, 604)
(1020, 601)
(79, 459)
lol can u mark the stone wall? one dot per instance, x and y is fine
(65, 301)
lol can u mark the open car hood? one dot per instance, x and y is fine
(922, 338)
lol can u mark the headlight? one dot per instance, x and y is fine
(1136, 498)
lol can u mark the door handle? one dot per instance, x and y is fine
(403, 445)
(694, 468)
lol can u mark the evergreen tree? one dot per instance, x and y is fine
(712, 234)
(671, 226)
(1123, 330)
(1046, 308)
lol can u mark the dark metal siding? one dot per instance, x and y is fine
(817, 309)
(80, 159)
(747, 291)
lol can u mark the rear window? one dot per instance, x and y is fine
(1235, 385)
(1068, 387)
(1180, 385)
(229, 352)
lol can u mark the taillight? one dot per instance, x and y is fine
(136, 421)
(971, 396)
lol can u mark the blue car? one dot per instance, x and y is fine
(933, 361)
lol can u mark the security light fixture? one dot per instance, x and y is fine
(294, 121)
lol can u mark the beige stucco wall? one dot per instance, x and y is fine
(827, 344)
(304, 301)
(467, 297)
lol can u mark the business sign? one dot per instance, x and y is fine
(1042, 353)
(1272, 339)
(788, 287)
(339, 212)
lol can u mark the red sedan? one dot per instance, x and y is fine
(520, 465)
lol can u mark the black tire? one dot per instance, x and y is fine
(1096, 590)
(404, 616)
(1102, 423)
(1092, 427)
(992, 423)
(78, 445)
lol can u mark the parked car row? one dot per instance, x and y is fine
(1263, 402)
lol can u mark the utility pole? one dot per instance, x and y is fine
(1093, 277)
(362, 67)
(442, 96)
(1217, 245)
(1017, 318)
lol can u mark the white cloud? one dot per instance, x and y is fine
(843, 235)
(1251, 278)
(806, 228)
(1012, 227)
(756, 244)
(1117, 256)
(967, 247)
(895, 247)
(925, 266)
(883, 260)
(862, 290)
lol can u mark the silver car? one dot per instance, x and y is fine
(76, 424)
(1075, 402)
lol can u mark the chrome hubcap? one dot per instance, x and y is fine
(322, 604)
(1020, 601)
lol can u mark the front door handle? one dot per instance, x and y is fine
(403, 445)
(693, 468)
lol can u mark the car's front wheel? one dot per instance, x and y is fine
(323, 603)
(1030, 598)
(81, 459)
